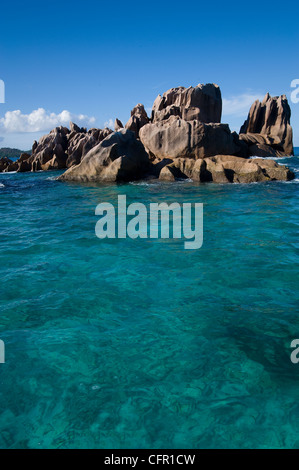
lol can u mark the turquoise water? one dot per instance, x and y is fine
(140, 343)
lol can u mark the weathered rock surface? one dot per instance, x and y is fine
(75, 128)
(23, 163)
(225, 169)
(59, 149)
(183, 139)
(202, 103)
(14, 166)
(118, 125)
(176, 137)
(137, 120)
(119, 157)
(79, 144)
(48, 153)
(267, 127)
(4, 163)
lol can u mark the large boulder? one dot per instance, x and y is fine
(225, 169)
(137, 120)
(119, 157)
(176, 137)
(79, 144)
(267, 127)
(202, 103)
(52, 146)
(24, 163)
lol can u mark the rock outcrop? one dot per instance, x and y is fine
(49, 153)
(202, 103)
(184, 138)
(119, 157)
(176, 137)
(79, 143)
(137, 120)
(185, 122)
(225, 169)
(4, 163)
(267, 129)
(118, 125)
(61, 148)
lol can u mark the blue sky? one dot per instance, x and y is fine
(96, 60)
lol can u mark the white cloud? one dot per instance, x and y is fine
(239, 105)
(39, 120)
(109, 123)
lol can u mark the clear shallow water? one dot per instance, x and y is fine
(140, 343)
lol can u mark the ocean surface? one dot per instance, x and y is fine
(140, 343)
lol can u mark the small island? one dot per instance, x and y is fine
(183, 138)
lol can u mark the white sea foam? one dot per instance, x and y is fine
(141, 183)
(2, 185)
(52, 178)
(159, 182)
(274, 158)
(242, 184)
(296, 180)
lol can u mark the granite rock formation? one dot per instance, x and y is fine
(202, 103)
(137, 120)
(4, 163)
(118, 125)
(176, 137)
(267, 129)
(184, 138)
(59, 149)
(225, 169)
(79, 143)
(119, 157)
